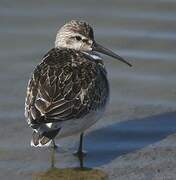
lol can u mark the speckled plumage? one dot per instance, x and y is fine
(68, 90)
(66, 85)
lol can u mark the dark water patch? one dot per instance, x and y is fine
(108, 143)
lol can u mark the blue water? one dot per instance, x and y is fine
(143, 32)
(108, 143)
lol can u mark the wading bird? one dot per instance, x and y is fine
(68, 91)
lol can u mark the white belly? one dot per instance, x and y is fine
(75, 126)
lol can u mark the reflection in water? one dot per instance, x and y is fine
(106, 144)
(141, 31)
(80, 153)
(81, 161)
(53, 151)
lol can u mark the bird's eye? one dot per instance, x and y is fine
(78, 38)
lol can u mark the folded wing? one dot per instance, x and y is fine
(63, 87)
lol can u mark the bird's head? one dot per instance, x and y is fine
(79, 35)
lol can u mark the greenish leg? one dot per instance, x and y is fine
(53, 151)
(80, 153)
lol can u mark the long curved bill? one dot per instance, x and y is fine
(99, 48)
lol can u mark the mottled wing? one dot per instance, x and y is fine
(66, 85)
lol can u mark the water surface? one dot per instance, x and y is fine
(143, 32)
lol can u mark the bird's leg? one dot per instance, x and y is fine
(54, 144)
(81, 161)
(80, 153)
(53, 150)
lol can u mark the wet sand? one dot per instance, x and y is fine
(136, 137)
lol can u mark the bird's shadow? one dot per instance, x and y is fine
(105, 144)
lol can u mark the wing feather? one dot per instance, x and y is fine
(63, 86)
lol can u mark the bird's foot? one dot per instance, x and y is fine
(80, 153)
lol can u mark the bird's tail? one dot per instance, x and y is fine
(39, 140)
(42, 138)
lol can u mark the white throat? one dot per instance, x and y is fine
(93, 55)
